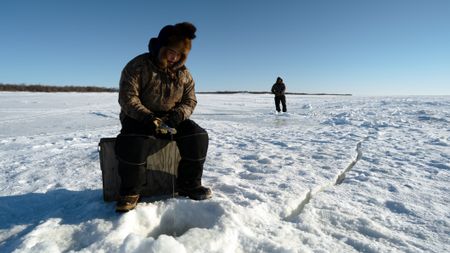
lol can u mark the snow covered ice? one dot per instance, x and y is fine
(334, 174)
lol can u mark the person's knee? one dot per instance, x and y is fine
(132, 149)
(189, 127)
(192, 140)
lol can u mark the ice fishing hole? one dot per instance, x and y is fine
(184, 215)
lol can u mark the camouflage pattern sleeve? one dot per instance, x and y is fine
(129, 92)
(186, 106)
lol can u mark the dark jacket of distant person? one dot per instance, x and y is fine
(279, 88)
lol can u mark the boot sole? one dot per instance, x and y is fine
(195, 196)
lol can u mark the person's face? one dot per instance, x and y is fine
(172, 56)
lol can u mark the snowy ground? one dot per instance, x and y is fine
(335, 174)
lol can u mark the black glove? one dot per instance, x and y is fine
(173, 119)
(149, 124)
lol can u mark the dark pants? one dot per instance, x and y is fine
(192, 142)
(281, 99)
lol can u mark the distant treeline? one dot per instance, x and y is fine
(47, 88)
(267, 92)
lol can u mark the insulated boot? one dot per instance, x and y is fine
(127, 203)
(195, 193)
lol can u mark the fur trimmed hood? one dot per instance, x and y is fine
(177, 37)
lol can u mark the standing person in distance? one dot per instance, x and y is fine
(157, 98)
(278, 89)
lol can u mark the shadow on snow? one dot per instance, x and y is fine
(31, 209)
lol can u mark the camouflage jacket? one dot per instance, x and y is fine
(146, 90)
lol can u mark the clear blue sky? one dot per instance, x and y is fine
(378, 47)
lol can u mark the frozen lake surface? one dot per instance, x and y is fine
(334, 174)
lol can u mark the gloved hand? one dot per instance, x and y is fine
(172, 119)
(163, 129)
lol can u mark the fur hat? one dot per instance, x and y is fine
(177, 37)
